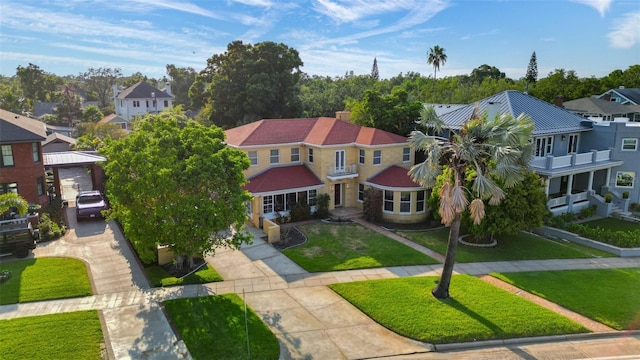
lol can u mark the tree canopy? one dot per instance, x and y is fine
(174, 182)
(100, 81)
(247, 83)
(393, 113)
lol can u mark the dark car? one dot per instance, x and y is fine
(89, 205)
(17, 237)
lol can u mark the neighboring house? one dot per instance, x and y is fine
(577, 162)
(56, 142)
(141, 99)
(21, 161)
(295, 160)
(600, 109)
(121, 122)
(64, 130)
(622, 96)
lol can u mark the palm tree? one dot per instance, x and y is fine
(436, 57)
(11, 200)
(470, 157)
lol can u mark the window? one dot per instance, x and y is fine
(136, 103)
(629, 144)
(147, 103)
(313, 194)
(295, 154)
(310, 155)
(123, 126)
(406, 154)
(253, 157)
(7, 156)
(340, 162)
(274, 156)
(420, 202)
(166, 103)
(544, 146)
(35, 152)
(388, 201)
(267, 204)
(9, 187)
(573, 144)
(279, 202)
(405, 202)
(249, 206)
(361, 192)
(625, 179)
(377, 157)
(40, 185)
(361, 158)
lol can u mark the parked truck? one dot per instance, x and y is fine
(17, 237)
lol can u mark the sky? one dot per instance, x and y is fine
(333, 37)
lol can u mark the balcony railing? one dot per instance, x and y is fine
(342, 172)
(551, 162)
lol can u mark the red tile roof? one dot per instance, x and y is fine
(395, 177)
(312, 131)
(282, 178)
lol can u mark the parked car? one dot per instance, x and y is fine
(89, 205)
(17, 237)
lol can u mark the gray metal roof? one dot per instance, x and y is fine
(596, 106)
(632, 94)
(548, 118)
(16, 128)
(71, 158)
(143, 90)
(442, 109)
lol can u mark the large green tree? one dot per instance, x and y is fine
(181, 81)
(100, 81)
(393, 113)
(436, 57)
(502, 142)
(247, 83)
(174, 182)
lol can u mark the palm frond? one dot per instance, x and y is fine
(477, 210)
(487, 189)
(459, 199)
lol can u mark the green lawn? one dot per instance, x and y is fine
(213, 327)
(159, 277)
(517, 247)
(476, 310)
(613, 224)
(350, 246)
(44, 279)
(74, 335)
(610, 296)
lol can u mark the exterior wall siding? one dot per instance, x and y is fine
(25, 173)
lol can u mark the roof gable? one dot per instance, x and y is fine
(58, 138)
(313, 131)
(394, 177)
(548, 118)
(282, 178)
(113, 118)
(18, 128)
(143, 90)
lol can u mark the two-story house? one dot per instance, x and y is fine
(575, 162)
(622, 96)
(21, 163)
(140, 99)
(601, 109)
(294, 160)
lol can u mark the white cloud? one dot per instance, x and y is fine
(600, 5)
(626, 31)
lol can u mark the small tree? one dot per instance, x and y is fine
(532, 71)
(375, 74)
(372, 206)
(322, 206)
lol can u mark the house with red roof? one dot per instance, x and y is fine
(295, 160)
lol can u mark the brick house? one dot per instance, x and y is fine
(295, 160)
(21, 163)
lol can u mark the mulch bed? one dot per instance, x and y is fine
(289, 236)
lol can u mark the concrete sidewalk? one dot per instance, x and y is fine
(309, 319)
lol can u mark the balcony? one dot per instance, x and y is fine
(553, 164)
(342, 172)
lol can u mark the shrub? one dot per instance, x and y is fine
(625, 195)
(620, 238)
(372, 206)
(633, 206)
(300, 212)
(49, 229)
(587, 212)
(281, 219)
(322, 206)
(608, 197)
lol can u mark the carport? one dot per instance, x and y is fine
(70, 159)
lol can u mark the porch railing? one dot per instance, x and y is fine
(551, 162)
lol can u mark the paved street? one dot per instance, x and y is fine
(310, 321)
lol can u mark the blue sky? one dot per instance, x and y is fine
(592, 37)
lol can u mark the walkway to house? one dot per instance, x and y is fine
(309, 320)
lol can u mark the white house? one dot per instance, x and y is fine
(141, 99)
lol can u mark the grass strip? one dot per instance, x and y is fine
(160, 277)
(213, 327)
(521, 246)
(610, 296)
(74, 335)
(475, 311)
(333, 247)
(44, 279)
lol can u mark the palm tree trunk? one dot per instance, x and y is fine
(442, 290)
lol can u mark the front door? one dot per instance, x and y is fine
(337, 195)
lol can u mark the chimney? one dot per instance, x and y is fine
(607, 97)
(343, 115)
(493, 110)
(559, 101)
(167, 89)
(115, 90)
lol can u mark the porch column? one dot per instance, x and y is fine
(608, 177)
(590, 184)
(569, 185)
(546, 186)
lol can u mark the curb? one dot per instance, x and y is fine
(533, 340)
